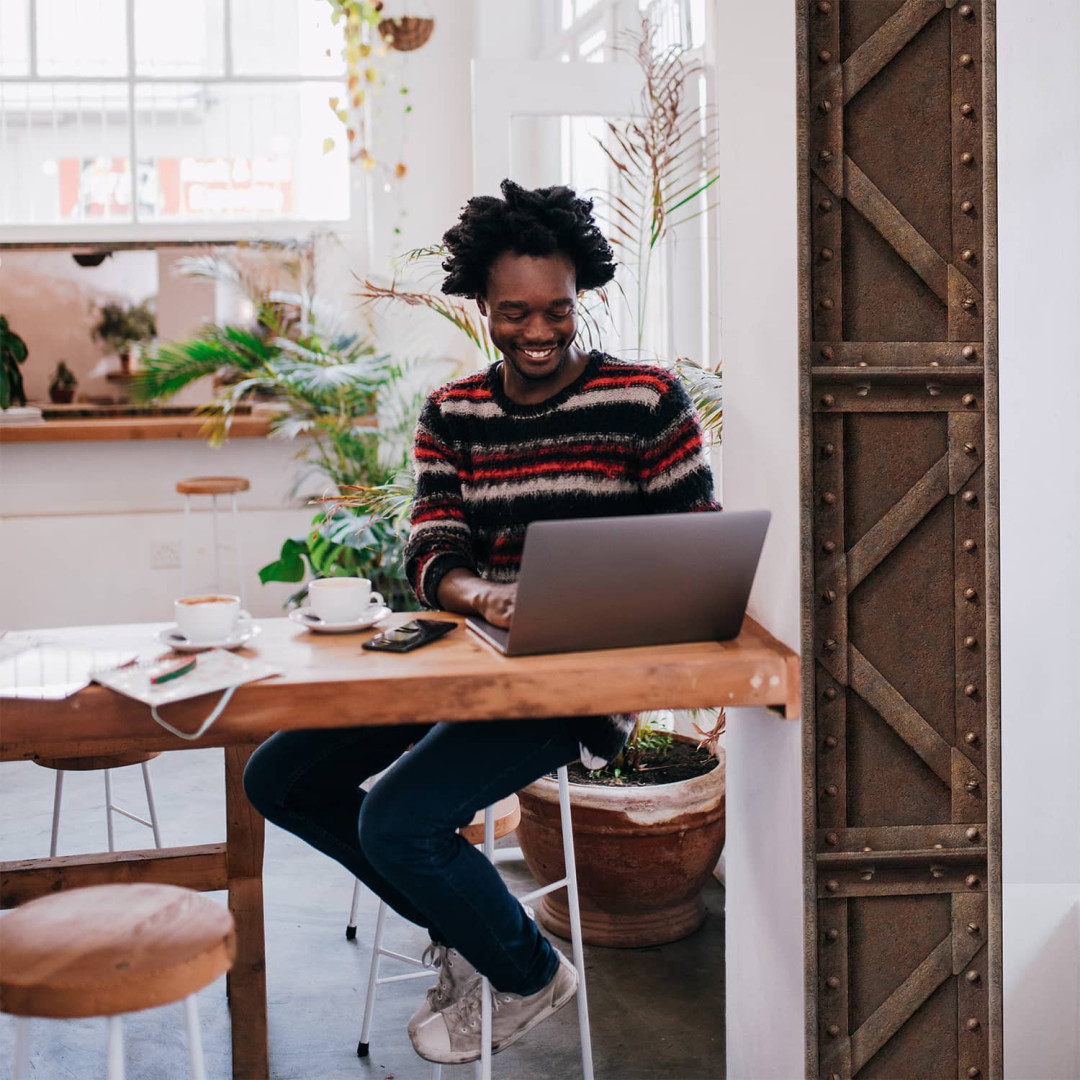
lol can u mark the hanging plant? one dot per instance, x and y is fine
(407, 32)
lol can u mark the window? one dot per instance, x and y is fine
(124, 118)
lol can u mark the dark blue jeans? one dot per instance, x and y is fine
(401, 838)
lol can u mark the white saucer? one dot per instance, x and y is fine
(169, 636)
(301, 618)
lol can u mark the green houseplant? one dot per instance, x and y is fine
(13, 353)
(62, 384)
(122, 327)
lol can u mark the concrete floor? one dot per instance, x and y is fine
(656, 1013)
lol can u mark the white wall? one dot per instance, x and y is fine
(759, 346)
(1039, 232)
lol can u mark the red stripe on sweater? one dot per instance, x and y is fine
(523, 472)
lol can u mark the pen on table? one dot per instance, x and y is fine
(173, 670)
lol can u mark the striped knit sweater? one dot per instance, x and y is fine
(622, 439)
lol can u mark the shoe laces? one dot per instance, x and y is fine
(465, 1014)
(436, 956)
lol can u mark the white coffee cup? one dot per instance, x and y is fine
(343, 599)
(209, 617)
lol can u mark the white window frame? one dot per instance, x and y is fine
(148, 233)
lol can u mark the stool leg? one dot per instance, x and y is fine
(114, 1069)
(350, 929)
(150, 804)
(373, 985)
(217, 550)
(22, 1048)
(108, 808)
(436, 1071)
(239, 556)
(194, 1037)
(57, 795)
(575, 922)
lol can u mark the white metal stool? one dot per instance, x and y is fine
(486, 825)
(213, 486)
(89, 952)
(104, 762)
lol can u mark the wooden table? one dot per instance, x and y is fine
(330, 682)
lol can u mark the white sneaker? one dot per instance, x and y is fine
(455, 976)
(453, 1036)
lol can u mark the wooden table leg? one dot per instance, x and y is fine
(247, 982)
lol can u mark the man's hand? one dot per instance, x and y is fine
(496, 604)
(464, 592)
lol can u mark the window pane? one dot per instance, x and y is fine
(64, 153)
(284, 37)
(14, 37)
(84, 38)
(169, 46)
(241, 153)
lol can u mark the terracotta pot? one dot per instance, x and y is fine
(60, 395)
(643, 854)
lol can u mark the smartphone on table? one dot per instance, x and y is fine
(409, 636)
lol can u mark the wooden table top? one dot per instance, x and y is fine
(329, 681)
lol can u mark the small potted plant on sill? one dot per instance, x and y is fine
(123, 328)
(62, 385)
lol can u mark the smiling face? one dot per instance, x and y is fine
(531, 307)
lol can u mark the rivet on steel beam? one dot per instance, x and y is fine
(830, 695)
(969, 545)
(827, 303)
(967, 206)
(825, 107)
(824, 56)
(973, 1023)
(832, 934)
(828, 450)
(832, 791)
(970, 594)
(967, 304)
(833, 982)
(868, 848)
(862, 389)
(968, 351)
(966, 11)
(825, 205)
(828, 400)
(966, 60)
(832, 840)
(863, 363)
(967, 157)
(937, 871)
(970, 448)
(829, 498)
(971, 881)
(970, 690)
(829, 596)
(829, 547)
(972, 928)
(974, 1072)
(938, 847)
(969, 497)
(935, 363)
(825, 155)
(972, 976)
(971, 786)
(827, 352)
(967, 109)
(830, 645)
(933, 389)
(832, 886)
(833, 1030)
(867, 873)
(970, 642)
(972, 834)
(830, 742)
(826, 254)
(968, 400)
(824, 7)
(967, 255)
(971, 738)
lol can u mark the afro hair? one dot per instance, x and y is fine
(542, 222)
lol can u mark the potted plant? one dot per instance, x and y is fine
(122, 328)
(62, 385)
(13, 352)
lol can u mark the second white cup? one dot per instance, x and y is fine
(342, 599)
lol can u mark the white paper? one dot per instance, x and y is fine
(52, 672)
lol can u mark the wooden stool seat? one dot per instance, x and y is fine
(111, 949)
(102, 761)
(507, 817)
(212, 485)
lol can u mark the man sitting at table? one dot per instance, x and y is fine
(550, 431)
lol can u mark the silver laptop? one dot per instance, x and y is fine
(607, 583)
